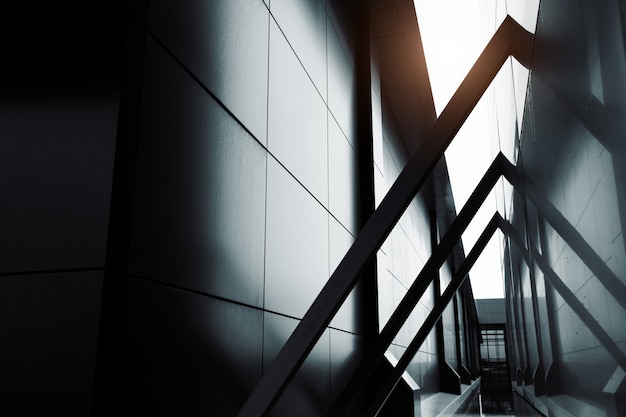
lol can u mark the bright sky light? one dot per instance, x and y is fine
(452, 35)
(454, 32)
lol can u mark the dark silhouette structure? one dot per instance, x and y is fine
(241, 208)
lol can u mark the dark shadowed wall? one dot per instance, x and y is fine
(59, 95)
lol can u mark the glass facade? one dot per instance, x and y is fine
(492, 346)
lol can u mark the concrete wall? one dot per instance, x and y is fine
(491, 311)
(572, 148)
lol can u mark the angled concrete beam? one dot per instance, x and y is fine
(561, 226)
(509, 39)
(500, 167)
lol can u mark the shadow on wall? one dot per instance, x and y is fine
(572, 147)
(210, 213)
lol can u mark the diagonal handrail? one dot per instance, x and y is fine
(500, 167)
(417, 288)
(385, 389)
(509, 39)
(496, 222)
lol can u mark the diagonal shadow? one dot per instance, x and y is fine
(570, 235)
(570, 298)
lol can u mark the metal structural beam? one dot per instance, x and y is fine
(386, 388)
(497, 222)
(499, 167)
(417, 289)
(510, 39)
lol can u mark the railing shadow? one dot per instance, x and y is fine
(532, 254)
(568, 232)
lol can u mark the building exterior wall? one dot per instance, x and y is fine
(244, 196)
(571, 147)
(410, 244)
(402, 257)
(201, 201)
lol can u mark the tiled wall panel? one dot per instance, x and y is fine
(296, 265)
(225, 45)
(309, 392)
(341, 85)
(297, 132)
(349, 316)
(343, 182)
(237, 206)
(303, 23)
(199, 201)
